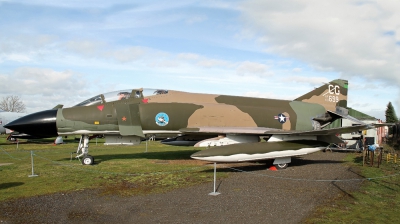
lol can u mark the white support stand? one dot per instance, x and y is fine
(146, 144)
(215, 181)
(33, 173)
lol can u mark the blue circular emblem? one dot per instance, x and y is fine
(162, 119)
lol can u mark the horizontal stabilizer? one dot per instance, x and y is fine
(344, 113)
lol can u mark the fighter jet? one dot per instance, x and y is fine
(233, 128)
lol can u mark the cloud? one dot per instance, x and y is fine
(206, 62)
(85, 48)
(25, 48)
(127, 54)
(188, 56)
(44, 88)
(297, 70)
(398, 107)
(101, 50)
(165, 64)
(352, 38)
(316, 81)
(253, 68)
(343, 36)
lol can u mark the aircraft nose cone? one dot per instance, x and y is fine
(41, 124)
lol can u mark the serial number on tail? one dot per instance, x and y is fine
(332, 99)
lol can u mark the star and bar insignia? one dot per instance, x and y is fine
(281, 118)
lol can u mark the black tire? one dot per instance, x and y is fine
(281, 166)
(87, 160)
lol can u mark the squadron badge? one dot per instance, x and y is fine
(162, 119)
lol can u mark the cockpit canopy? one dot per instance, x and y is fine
(121, 95)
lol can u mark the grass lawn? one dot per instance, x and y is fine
(123, 170)
(378, 200)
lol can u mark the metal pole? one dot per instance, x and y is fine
(33, 173)
(146, 144)
(215, 181)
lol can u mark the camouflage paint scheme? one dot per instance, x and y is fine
(294, 125)
(193, 110)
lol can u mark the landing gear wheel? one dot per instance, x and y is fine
(87, 160)
(281, 166)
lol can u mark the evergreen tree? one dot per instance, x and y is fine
(391, 116)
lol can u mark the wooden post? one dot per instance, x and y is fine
(372, 158)
(363, 155)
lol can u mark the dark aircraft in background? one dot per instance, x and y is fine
(231, 127)
(6, 117)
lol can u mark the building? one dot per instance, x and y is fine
(353, 140)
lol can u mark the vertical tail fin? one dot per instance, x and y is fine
(330, 95)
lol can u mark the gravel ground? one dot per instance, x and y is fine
(255, 196)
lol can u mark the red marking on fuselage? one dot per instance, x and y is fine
(101, 107)
(145, 100)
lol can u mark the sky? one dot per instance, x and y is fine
(63, 52)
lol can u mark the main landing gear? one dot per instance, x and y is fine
(281, 166)
(83, 150)
(282, 163)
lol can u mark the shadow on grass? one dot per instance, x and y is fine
(10, 185)
(384, 184)
(38, 141)
(342, 190)
(358, 160)
(304, 162)
(165, 155)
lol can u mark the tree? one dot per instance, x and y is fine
(390, 114)
(391, 117)
(12, 104)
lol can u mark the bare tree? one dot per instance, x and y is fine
(12, 104)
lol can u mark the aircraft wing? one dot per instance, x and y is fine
(273, 131)
(234, 130)
(280, 151)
